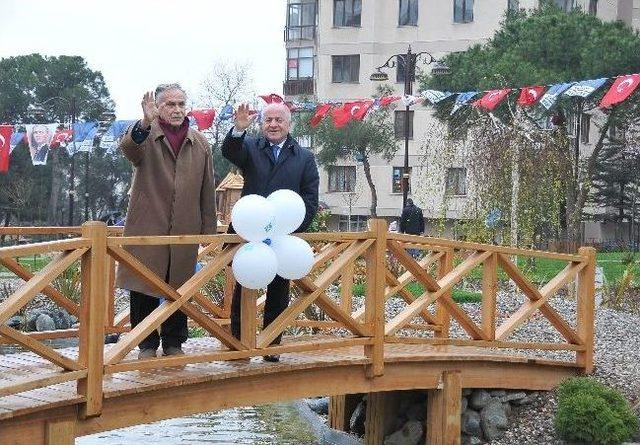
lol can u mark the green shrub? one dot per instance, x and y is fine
(590, 412)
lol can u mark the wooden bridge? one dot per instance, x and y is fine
(50, 396)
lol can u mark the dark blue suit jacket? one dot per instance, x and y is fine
(295, 169)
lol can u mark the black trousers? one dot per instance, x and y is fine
(173, 330)
(277, 302)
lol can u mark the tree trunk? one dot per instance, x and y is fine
(372, 187)
(515, 191)
(55, 186)
(583, 187)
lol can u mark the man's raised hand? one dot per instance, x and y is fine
(243, 117)
(149, 108)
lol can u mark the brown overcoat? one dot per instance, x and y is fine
(170, 195)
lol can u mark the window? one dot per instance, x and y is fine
(456, 181)
(408, 14)
(353, 223)
(513, 5)
(585, 126)
(565, 5)
(399, 124)
(617, 133)
(305, 141)
(396, 180)
(401, 69)
(299, 63)
(345, 68)
(342, 178)
(593, 7)
(301, 21)
(347, 12)
(462, 11)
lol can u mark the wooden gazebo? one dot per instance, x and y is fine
(227, 193)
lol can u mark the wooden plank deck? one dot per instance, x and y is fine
(16, 366)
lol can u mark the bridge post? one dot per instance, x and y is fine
(341, 408)
(248, 314)
(374, 298)
(586, 308)
(489, 293)
(60, 432)
(445, 266)
(443, 411)
(92, 313)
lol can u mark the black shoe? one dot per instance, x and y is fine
(271, 358)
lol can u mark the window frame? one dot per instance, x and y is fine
(347, 177)
(399, 130)
(360, 222)
(401, 71)
(299, 31)
(411, 6)
(465, 8)
(593, 7)
(346, 21)
(585, 128)
(342, 58)
(298, 59)
(396, 181)
(460, 187)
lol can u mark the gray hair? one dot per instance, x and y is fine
(276, 106)
(163, 87)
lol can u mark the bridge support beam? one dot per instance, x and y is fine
(443, 411)
(60, 431)
(341, 408)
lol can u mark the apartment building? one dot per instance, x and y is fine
(333, 46)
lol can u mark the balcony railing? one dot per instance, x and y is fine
(303, 32)
(298, 87)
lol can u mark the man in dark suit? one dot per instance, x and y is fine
(271, 162)
(412, 222)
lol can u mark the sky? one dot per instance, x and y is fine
(139, 44)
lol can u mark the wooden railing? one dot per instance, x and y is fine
(382, 260)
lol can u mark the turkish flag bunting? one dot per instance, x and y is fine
(5, 146)
(530, 95)
(204, 118)
(620, 90)
(321, 112)
(492, 99)
(272, 98)
(350, 110)
(386, 100)
(61, 137)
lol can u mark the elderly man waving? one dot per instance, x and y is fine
(173, 193)
(271, 162)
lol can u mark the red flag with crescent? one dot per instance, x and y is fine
(491, 99)
(204, 118)
(61, 137)
(5, 146)
(530, 95)
(272, 98)
(349, 111)
(321, 112)
(620, 90)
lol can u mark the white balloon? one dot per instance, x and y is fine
(289, 211)
(295, 256)
(253, 218)
(254, 265)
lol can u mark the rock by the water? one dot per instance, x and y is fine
(410, 434)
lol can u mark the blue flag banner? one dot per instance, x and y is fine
(551, 96)
(462, 100)
(16, 138)
(435, 96)
(585, 88)
(83, 134)
(118, 128)
(226, 113)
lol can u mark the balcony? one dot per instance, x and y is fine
(303, 32)
(298, 87)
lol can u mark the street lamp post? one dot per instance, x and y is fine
(409, 60)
